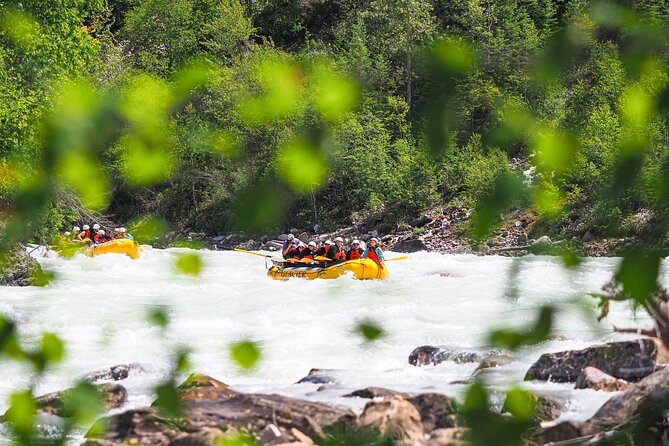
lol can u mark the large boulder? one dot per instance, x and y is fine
(395, 417)
(593, 378)
(630, 360)
(18, 268)
(437, 411)
(231, 410)
(410, 246)
(113, 396)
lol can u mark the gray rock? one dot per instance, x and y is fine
(374, 392)
(319, 376)
(437, 411)
(58, 403)
(395, 417)
(114, 373)
(544, 240)
(593, 378)
(428, 354)
(421, 221)
(587, 237)
(409, 246)
(623, 360)
(282, 237)
(19, 268)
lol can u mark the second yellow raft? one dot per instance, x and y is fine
(118, 246)
(360, 269)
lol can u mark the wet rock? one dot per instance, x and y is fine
(618, 359)
(455, 436)
(282, 237)
(374, 392)
(409, 246)
(428, 354)
(421, 221)
(113, 396)
(114, 373)
(250, 412)
(19, 268)
(204, 437)
(564, 431)
(587, 237)
(493, 361)
(593, 378)
(437, 411)
(544, 240)
(318, 376)
(547, 408)
(197, 380)
(395, 417)
(624, 406)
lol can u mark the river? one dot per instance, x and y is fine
(99, 306)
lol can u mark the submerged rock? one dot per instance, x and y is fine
(428, 354)
(198, 380)
(593, 378)
(374, 392)
(114, 373)
(56, 403)
(631, 360)
(318, 376)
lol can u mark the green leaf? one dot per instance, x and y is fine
(21, 413)
(239, 439)
(159, 316)
(638, 273)
(454, 54)
(370, 331)
(334, 93)
(52, 349)
(246, 354)
(168, 401)
(42, 278)
(84, 403)
(513, 339)
(303, 166)
(189, 263)
(520, 403)
(147, 230)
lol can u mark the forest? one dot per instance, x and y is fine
(264, 115)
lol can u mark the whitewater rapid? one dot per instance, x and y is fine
(99, 307)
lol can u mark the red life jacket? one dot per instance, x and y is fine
(371, 254)
(353, 254)
(87, 234)
(341, 255)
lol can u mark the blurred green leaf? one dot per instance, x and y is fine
(239, 439)
(260, 207)
(9, 341)
(83, 173)
(370, 330)
(302, 165)
(521, 404)
(147, 230)
(53, 349)
(189, 263)
(246, 354)
(20, 27)
(147, 160)
(159, 316)
(168, 402)
(513, 339)
(42, 278)
(455, 54)
(334, 93)
(21, 414)
(638, 273)
(84, 403)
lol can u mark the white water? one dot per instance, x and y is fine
(99, 306)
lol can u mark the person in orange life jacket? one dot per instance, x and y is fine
(290, 244)
(323, 250)
(355, 252)
(100, 237)
(86, 233)
(374, 252)
(336, 252)
(308, 252)
(294, 254)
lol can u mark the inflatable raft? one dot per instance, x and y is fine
(118, 246)
(360, 269)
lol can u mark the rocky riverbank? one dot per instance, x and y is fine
(213, 413)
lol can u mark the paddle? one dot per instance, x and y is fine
(305, 261)
(251, 252)
(398, 258)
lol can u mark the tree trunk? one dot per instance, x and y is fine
(409, 81)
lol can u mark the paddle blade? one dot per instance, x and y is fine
(398, 258)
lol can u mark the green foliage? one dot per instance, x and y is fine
(245, 354)
(370, 331)
(189, 263)
(342, 434)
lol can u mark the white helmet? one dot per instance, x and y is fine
(76, 229)
(290, 237)
(329, 242)
(101, 232)
(86, 227)
(374, 239)
(356, 242)
(67, 233)
(312, 243)
(121, 229)
(302, 245)
(115, 229)
(96, 226)
(339, 239)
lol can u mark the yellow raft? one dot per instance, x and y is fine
(360, 269)
(118, 246)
